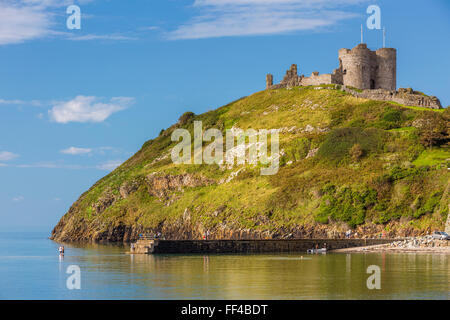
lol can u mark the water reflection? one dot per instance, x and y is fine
(331, 276)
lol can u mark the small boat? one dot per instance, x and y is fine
(323, 250)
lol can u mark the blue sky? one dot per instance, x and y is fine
(76, 103)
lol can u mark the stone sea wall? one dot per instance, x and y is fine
(247, 246)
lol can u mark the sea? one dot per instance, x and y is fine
(32, 269)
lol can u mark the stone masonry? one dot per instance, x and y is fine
(406, 97)
(372, 73)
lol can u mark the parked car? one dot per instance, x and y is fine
(440, 235)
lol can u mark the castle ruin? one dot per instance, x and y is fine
(372, 72)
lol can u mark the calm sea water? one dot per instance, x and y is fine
(30, 268)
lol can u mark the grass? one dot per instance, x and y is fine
(433, 157)
(417, 108)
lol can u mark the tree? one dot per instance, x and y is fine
(435, 129)
(184, 119)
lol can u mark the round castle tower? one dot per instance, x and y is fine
(386, 77)
(365, 69)
(356, 66)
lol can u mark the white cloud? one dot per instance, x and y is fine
(18, 199)
(88, 37)
(6, 156)
(76, 151)
(106, 166)
(11, 102)
(21, 21)
(49, 165)
(222, 18)
(18, 102)
(87, 109)
(109, 165)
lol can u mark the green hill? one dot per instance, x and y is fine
(346, 163)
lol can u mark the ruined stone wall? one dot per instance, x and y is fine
(269, 81)
(316, 79)
(291, 79)
(407, 97)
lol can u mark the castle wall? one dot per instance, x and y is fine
(316, 79)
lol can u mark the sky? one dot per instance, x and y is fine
(75, 103)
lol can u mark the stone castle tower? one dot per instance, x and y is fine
(365, 69)
(359, 67)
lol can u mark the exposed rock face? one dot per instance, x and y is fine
(160, 186)
(128, 188)
(104, 202)
(185, 229)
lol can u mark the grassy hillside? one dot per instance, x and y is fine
(346, 162)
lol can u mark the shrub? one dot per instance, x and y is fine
(392, 115)
(398, 173)
(185, 118)
(389, 119)
(298, 149)
(345, 205)
(429, 205)
(337, 145)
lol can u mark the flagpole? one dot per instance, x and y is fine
(362, 39)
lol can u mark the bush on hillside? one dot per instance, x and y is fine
(336, 147)
(185, 118)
